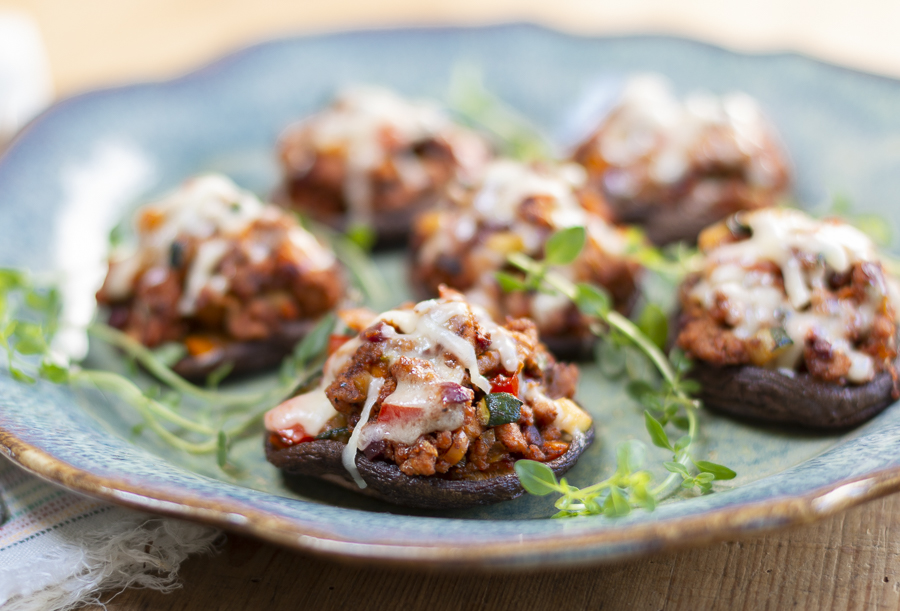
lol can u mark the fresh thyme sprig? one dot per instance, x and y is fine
(185, 416)
(670, 402)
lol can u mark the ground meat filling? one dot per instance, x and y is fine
(471, 448)
(260, 280)
(516, 208)
(741, 313)
(372, 152)
(707, 156)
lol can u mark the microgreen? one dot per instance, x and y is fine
(185, 416)
(670, 411)
(473, 104)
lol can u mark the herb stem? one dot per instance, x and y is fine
(622, 324)
(670, 484)
(127, 390)
(164, 374)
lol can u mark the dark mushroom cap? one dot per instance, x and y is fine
(247, 357)
(768, 395)
(391, 227)
(668, 224)
(322, 459)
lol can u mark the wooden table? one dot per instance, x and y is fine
(849, 562)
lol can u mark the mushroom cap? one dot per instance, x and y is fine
(322, 459)
(247, 357)
(771, 396)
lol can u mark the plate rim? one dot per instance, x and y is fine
(669, 534)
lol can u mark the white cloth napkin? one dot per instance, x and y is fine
(58, 549)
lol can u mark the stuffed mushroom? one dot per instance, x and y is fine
(791, 319)
(374, 159)
(213, 268)
(675, 167)
(430, 406)
(516, 207)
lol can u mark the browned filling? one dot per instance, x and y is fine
(705, 334)
(262, 297)
(474, 450)
(714, 184)
(314, 180)
(463, 263)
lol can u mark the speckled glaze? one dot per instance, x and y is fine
(92, 157)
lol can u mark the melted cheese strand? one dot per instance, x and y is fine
(213, 210)
(348, 455)
(753, 302)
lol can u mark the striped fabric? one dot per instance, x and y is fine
(33, 509)
(59, 549)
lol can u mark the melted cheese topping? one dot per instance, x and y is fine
(753, 301)
(496, 202)
(651, 126)
(215, 211)
(360, 124)
(429, 395)
(506, 184)
(312, 410)
(348, 455)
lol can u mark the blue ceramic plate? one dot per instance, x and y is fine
(81, 166)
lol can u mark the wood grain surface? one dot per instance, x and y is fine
(851, 561)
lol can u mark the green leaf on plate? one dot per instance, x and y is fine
(537, 478)
(654, 324)
(564, 246)
(719, 472)
(592, 300)
(657, 434)
(509, 283)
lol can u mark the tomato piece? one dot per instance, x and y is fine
(336, 341)
(502, 383)
(398, 413)
(290, 437)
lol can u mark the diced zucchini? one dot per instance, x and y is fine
(339, 434)
(737, 226)
(767, 344)
(503, 408)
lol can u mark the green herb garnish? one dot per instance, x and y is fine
(669, 402)
(185, 416)
(516, 136)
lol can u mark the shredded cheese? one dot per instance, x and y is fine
(732, 279)
(429, 395)
(348, 455)
(495, 204)
(367, 125)
(213, 210)
(651, 128)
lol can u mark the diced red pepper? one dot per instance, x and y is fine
(290, 437)
(398, 413)
(336, 341)
(502, 383)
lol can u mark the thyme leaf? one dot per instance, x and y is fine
(669, 402)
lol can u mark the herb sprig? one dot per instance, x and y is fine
(668, 402)
(185, 416)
